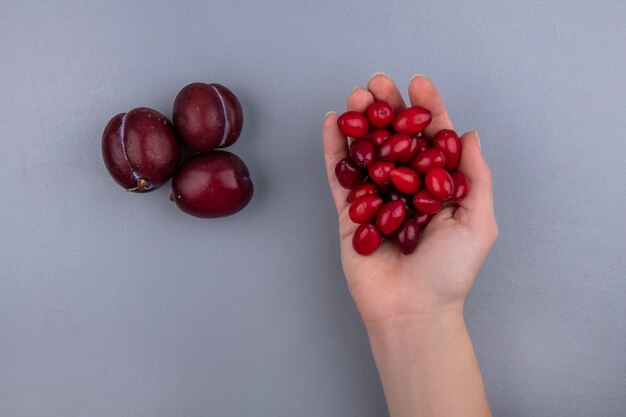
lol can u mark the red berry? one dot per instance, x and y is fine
(394, 148)
(412, 121)
(365, 208)
(379, 171)
(140, 149)
(407, 236)
(448, 142)
(430, 158)
(348, 174)
(362, 152)
(405, 180)
(421, 219)
(380, 114)
(212, 184)
(361, 190)
(366, 239)
(353, 124)
(425, 203)
(391, 216)
(439, 183)
(461, 187)
(207, 116)
(378, 136)
(412, 152)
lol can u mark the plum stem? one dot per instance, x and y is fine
(142, 185)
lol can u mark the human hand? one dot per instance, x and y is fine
(434, 279)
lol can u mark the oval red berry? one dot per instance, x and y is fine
(448, 142)
(391, 216)
(353, 124)
(380, 114)
(407, 236)
(405, 180)
(439, 183)
(412, 121)
(348, 173)
(366, 239)
(365, 208)
(361, 190)
(425, 203)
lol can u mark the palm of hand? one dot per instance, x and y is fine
(440, 272)
(387, 284)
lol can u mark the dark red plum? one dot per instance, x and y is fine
(207, 116)
(212, 184)
(140, 149)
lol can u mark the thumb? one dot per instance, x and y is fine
(477, 207)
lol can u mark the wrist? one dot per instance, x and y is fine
(426, 362)
(409, 334)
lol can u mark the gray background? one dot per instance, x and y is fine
(113, 304)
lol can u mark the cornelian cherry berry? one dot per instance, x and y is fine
(424, 202)
(378, 136)
(407, 236)
(405, 180)
(390, 216)
(425, 161)
(411, 153)
(461, 187)
(348, 173)
(362, 152)
(448, 142)
(379, 171)
(353, 124)
(439, 183)
(412, 120)
(365, 208)
(366, 239)
(380, 114)
(361, 190)
(394, 148)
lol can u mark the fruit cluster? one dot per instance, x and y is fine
(397, 178)
(142, 151)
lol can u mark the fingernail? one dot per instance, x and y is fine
(329, 113)
(477, 139)
(419, 76)
(356, 88)
(376, 74)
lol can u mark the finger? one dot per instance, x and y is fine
(335, 149)
(359, 99)
(423, 93)
(444, 215)
(383, 88)
(477, 208)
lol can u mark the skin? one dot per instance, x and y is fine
(412, 306)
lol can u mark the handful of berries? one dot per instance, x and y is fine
(397, 178)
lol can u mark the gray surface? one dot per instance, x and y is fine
(114, 304)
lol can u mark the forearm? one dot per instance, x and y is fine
(428, 367)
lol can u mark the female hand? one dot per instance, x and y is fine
(412, 306)
(438, 275)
